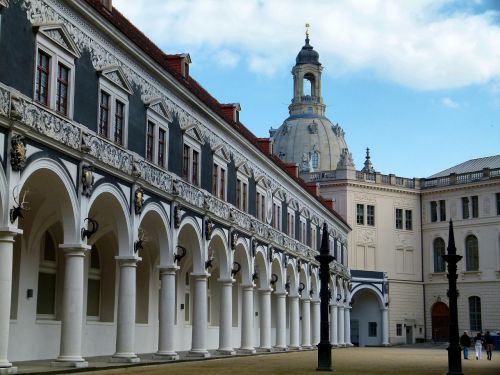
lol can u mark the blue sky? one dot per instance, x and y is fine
(417, 81)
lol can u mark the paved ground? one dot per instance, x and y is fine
(417, 359)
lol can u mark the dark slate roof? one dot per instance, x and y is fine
(307, 55)
(472, 165)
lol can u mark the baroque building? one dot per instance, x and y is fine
(399, 227)
(138, 213)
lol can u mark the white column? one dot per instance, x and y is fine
(315, 325)
(6, 260)
(226, 317)
(341, 325)
(199, 333)
(247, 319)
(70, 353)
(167, 314)
(125, 334)
(265, 319)
(334, 338)
(294, 322)
(306, 323)
(385, 327)
(347, 325)
(280, 320)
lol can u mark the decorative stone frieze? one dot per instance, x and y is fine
(110, 154)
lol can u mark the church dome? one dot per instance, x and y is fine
(307, 55)
(313, 143)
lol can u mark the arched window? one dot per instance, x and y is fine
(315, 160)
(471, 253)
(307, 87)
(94, 285)
(47, 272)
(475, 313)
(438, 255)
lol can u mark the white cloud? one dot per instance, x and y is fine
(449, 103)
(409, 42)
(227, 58)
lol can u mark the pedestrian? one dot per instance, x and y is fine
(465, 342)
(488, 341)
(478, 344)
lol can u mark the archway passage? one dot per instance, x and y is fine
(366, 318)
(440, 322)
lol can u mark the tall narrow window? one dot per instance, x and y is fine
(244, 196)
(360, 214)
(42, 78)
(46, 297)
(238, 193)
(399, 218)
(475, 313)
(185, 162)
(465, 207)
(94, 284)
(370, 215)
(215, 178)
(442, 210)
(475, 206)
(150, 140)
(222, 187)
(194, 179)
(104, 114)
(62, 89)
(438, 255)
(161, 147)
(434, 215)
(408, 220)
(498, 203)
(471, 253)
(119, 122)
(187, 290)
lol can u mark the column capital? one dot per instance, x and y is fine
(281, 294)
(265, 290)
(128, 260)
(199, 276)
(7, 234)
(75, 249)
(226, 281)
(168, 269)
(293, 296)
(315, 301)
(248, 286)
(305, 299)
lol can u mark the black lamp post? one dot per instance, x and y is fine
(454, 357)
(324, 347)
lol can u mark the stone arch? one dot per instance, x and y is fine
(261, 268)
(218, 248)
(189, 236)
(375, 290)
(241, 256)
(277, 269)
(153, 216)
(107, 199)
(304, 280)
(291, 279)
(61, 189)
(315, 285)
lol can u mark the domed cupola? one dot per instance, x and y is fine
(307, 137)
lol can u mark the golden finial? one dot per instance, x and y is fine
(307, 30)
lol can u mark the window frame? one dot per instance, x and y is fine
(471, 253)
(360, 214)
(48, 267)
(57, 56)
(193, 146)
(439, 265)
(434, 211)
(442, 210)
(220, 184)
(303, 230)
(277, 222)
(94, 274)
(475, 206)
(115, 94)
(159, 125)
(398, 218)
(475, 315)
(291, 223)
(408, 219)
(370, 217)
(242, 184)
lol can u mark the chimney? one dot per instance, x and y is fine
(179, 63)
(107, 4)
(330, 203)
(313, 187)
(292, 169)
(231, 111)
(266, 145)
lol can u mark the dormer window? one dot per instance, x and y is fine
(114, 91)
(55, 69)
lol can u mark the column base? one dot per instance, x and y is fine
(228, 351)
(386, 344)
(280, 348)
(306, 347)
(8, 370)
(246, 351)
(198, 353)
(69, 363)
(295, 347)
(166, 356)
(124, 358)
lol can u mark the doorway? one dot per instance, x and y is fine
(409, 334)
(355, 332)
(440, 320)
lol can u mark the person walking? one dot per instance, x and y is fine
(478, 344)
(488, 341)
(465, 342)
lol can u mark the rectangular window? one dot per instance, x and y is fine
(222, 187)
(360, 214)
(215, 177)
(150, 140)
(162, 135)
(244, 198)
(465, 207)
(93, 297)
(475, 206)
(434, 215)
(372, 329)
(62, 89)
(408, 220)
(399, 218)
(185, 162)
(442, 210)
(399, 330)
(370, 215)
(196, 163)
(119, 121)
(498, 203)
(42, 78)
(46, 300)
(104, 114)
(475, 313)
(238, 193)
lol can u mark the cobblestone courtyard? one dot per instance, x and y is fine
(394, 360)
